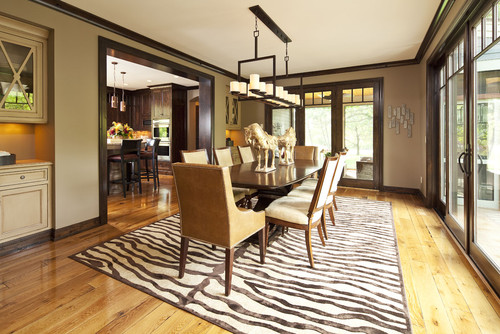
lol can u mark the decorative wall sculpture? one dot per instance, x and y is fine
(400, 117)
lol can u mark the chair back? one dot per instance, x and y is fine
(206, 201)
(306, 153)
(338, 172)
(199, 156)
(130, 147)
(323, 186)
(223, 156)
(153, 144)
(246, 154)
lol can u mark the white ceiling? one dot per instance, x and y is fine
(325, 34)
(139, 76)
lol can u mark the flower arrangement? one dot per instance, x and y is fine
(119, 130)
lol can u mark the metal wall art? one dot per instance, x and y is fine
(400, 117)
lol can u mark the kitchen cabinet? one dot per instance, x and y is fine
(25, 199)
(161, 102)
(141, 110)
(23, 98)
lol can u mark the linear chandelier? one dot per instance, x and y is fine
(257, 90)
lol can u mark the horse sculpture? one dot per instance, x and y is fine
(261, 141)
(286, 145)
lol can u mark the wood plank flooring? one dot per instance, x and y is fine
(43, 291)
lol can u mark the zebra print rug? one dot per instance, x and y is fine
(357, 286)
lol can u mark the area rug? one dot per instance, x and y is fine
(356, 287)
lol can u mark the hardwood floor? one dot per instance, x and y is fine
(43, 291)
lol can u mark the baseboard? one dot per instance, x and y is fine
(23, 243)
(67, 231)
(401, 190)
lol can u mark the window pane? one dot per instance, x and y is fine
(498, 19)
(487, 145)
(368, 94)
(461, 54)
(456, 146)
(450, 65)
(308, 99)
(455, 59)
(357, 95)
(442, 76)
(318, 98)
(282, 120)
(477, 39)
(358, 138)
(327, 97)
(17, 53)
(488, 28)
(347, 96)
(318, 127)
(442, 140)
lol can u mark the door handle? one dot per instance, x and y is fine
(460, 162)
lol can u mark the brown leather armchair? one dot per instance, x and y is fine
(209, 214)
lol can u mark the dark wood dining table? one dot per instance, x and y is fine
(273, 184)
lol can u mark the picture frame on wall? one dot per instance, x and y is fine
(233, 113)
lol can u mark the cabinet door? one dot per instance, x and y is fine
(157, 103)
(23, 210)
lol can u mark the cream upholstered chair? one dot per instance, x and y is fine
(246, 154)
(223, 157)
(301, 213)
(208, 213)
(306, 189)
(199, 156)
(306, 153)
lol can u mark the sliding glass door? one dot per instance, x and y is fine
(468, 93)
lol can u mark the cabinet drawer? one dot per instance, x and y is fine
(24, 176)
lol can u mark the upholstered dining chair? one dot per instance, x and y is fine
(208, 213)
(199, 156)
(304, 214)
(306, 189)
(306, 153)
(246, 154)
(223, 157)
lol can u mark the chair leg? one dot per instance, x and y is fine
(147, 169)
(153, 169)
(309, 248)
(320, 228)
(332, 216)
(183, 256)
(214, 247)
(229, 269)
(267, 233)
(123, 179)
(139, 175)
(323, 224)
(335, 203)
(262, 245)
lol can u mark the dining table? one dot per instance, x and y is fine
(273, 184)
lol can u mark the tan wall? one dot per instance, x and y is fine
(75, 107)
(18, 139)
(402, 155)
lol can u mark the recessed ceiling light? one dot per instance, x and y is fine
(176, 76)
(149, 80)
(126, 84)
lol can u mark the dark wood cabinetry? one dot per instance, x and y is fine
(141, 110)
(179, 122)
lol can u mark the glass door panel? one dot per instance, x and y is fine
(486, 166)
(358, 138)
(318, 127)
(457, 142)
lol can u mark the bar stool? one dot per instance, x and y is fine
(130, 153)
(151, 154)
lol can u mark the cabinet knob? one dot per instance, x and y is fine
(22, 177)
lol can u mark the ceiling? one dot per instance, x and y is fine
(325, 34)
(139, 76)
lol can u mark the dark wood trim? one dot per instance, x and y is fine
(193, 87)
(64, 232)
(207, 84)
(268, 119)
(85, 16)
(23, 243)
(401, 190)
(441, 13)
